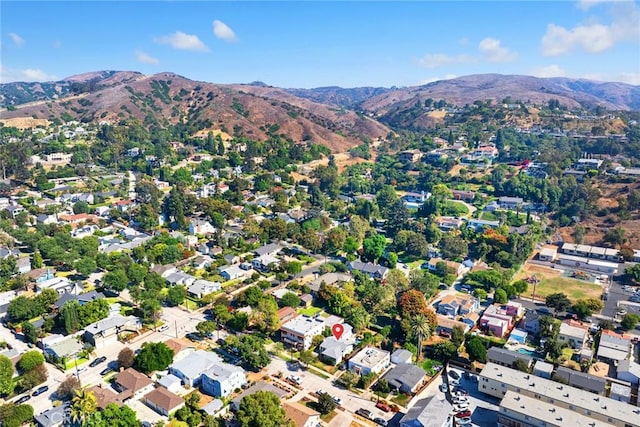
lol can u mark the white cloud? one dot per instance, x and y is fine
(222, 31)
(17, 40)
(630, 78)
(436, 60)
(145, 58)
(436, 79)
(594, 37)
(493, 51)
(552, 70)
(183, 41)
(24, 75)
(588, 4)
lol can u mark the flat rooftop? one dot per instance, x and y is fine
(303, 324)
(369, 356)
(548, 413)
(582, 399)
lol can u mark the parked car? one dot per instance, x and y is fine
(40, 390)
(22, 399)
(464, 421)
(294, 379)
(383, 406)
(193, 336)
(163, 328)
(444, 388)
(96, 362)
(106, 371)
(463, 414)
(380, 421)
(364, 413)
(454, 375)
(337, 400)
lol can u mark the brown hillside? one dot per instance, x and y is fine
(167, 98)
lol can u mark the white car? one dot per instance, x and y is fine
(163, 328)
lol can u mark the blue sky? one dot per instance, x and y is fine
(312, 44)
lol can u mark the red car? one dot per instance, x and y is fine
(463, 414)
(383, 406)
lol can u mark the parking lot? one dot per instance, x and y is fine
(483, 408)
(310, 383)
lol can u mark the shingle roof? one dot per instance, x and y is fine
(163, 398)
(405, 374)
(130, 379)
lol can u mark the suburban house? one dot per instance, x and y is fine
(629, 371)
(548, 253)
(270, 249)
(105, 395)
(300, 330)
(54, 417)
(448, 223)
(510, 203)
(466, 196)
(458, 304)
(200, 288)
(199, 226)
(61, 285)
(191, 368)
(455, 268)
(333, 351)
(482, 224)
(333, 278)
(434, 411)
(543, 369)
(265, 262)
(57, 347)
(105, 332)
(369, 360)
(446, 325)
(132, 382)
(221, 379)
(301, 415)
(405, 377)
(410, 156)
(497, 320)
(531, 322)
(614, 346)
(504, 357)
(573, 334)
(401, 355)
(285, 314)
(181, 348)
(374, 271)
(232, 272)
(163, 401)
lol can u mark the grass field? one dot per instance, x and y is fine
(551, 281)
(311, 311)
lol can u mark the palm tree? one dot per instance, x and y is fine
(421, 329)
(83, 404)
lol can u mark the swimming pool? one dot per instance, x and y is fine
(527, 352)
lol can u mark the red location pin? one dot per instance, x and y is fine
(337, 330)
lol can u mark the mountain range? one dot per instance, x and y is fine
(334, 116)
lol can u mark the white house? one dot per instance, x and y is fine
(370, 360)
(198, 226)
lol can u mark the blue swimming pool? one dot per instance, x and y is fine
(527, 352)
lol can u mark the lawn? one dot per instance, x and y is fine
(552, 281)
(401, 399)
(488, 216)
(71, 364)
(574, 289)
(311, 311)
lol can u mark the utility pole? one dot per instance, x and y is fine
(176, 325)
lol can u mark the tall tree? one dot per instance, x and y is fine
(262, 409)
(83, 405)
(6, 376)
(154, 356)
(421, 328)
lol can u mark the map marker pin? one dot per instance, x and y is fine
(337, 330)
